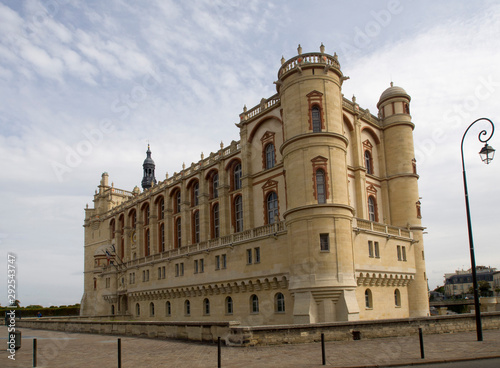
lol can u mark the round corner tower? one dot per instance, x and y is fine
(402, 185)
(319, 217)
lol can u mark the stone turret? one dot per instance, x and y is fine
(319, 217)
(402, 183)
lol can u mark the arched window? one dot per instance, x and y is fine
(187, 308)
(368, 299)
(320, 186)
(168, 309)
(237, 176)
(397, 298)
(161, 238)
(122, 233)
(145, 213)
(254, 304)
(238, 214)
(316, 119)
(151, 309)
(229, 305)
(279, 302)
(206, 307)
(161, 209)
(215, 186)
(137, 309)
(178, 231)
(147, 243)
(177, 202)
(112, 309)
(194, 194)
(270, 156)
(272, 207)
(368, 162)
(215, 221)
(372, 209)
(196, 227)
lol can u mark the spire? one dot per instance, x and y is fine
(148, 177)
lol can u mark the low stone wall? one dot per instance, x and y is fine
(196, 331)
(338, 331)
(235, 335)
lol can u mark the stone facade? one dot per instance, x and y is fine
(312, 216)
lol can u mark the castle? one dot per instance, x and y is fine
(312, 216)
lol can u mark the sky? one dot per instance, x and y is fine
(85, 85)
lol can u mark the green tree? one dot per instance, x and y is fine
(484, 288)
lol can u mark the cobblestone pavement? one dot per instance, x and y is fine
(60, 349)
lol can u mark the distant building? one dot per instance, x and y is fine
(460, 282)
(312, 216)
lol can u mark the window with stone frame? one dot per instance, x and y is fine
(316, 119)
(320, 179)
(238, 213)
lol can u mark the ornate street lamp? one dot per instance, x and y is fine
(487, 153)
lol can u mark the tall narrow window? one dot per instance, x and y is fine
(161, 209)
(238, 212)
(215, 186)
(229, 305)
(254, 304)
(187, 308)
(368, 162)
(137, 309)
(316, 119)
(151, 309)
(270, 156)
(162, 237)
(370, 249)
(279, 303)
(237, 176)
(324, 242)
(372, 209)
(196, 227)
(206, 307)
(400, 258)
(215, 221)
(404, 253)
(147, 243)
(196, 189)
(146, 215)
(377, 250)
(368, 299)
(272, 207)
(168, 309)
(178, 231)
(397, 298)
(177, 204)
(320, 186)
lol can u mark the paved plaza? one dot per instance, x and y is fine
(60, 349)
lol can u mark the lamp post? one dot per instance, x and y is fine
(487, 153)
